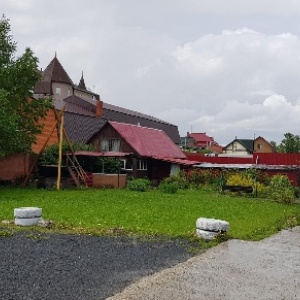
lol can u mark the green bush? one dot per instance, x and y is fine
(297, 192)
(281, 189)
(139, 185)
(168, 187)
(105, 165)
(180, 178)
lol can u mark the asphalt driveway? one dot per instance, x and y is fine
(70, 267)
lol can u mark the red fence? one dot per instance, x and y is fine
(272, 159)
(219, 159)
(286, 159)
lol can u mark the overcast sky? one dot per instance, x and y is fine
(230, 68)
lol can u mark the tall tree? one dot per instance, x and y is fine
(290, 143)
(19, 113)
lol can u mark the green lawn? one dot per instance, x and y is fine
(97, 211)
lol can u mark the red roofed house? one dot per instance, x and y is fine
(147, 152)
(202, 141)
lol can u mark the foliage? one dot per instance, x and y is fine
(97, 211)
(138, 185)
(50, 154)
(105, 165)
(195, 178)
(245, 179)
(281, 189)
(19, 115)
(297, 191)
(180, 178)
(290, 144)
(168, 187)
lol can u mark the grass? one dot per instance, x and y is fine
(150, 213)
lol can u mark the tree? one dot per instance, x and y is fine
(19, 113)
(290, 144)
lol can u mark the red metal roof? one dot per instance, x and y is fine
(148, 142)
(201, 137)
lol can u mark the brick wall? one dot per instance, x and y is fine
(14, 166)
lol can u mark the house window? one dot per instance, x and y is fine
(174, 169)
(126, 164)
(112, 145)
(141, 164)
(57, 91)
(259, 146)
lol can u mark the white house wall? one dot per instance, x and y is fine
(236, 148)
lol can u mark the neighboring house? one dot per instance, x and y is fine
(85, 113)
(145, 152)
(248, 146)
(57, 83)
(262, 146)
(200, 141)
(239, 147)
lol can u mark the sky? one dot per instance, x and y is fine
(230, 68)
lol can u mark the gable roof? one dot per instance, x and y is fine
(201, 137)
(80, 128)
(148, 142)
(247, 143)
(261, 138)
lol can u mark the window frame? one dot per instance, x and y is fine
(142, 165)
(125, 162)
(108, 145)
(57, 90)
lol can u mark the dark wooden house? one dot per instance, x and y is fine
(144, 152)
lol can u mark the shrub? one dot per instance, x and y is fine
(239, 180)
(247, 178)
(180, 178)
(281, 189)
(168, 187)
(105, 165)
(297, 192)
(139, 185)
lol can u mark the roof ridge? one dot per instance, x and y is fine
(135, 125)
(135, 113)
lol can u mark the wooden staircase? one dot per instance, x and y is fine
(77, 173)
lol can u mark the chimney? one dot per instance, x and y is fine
(99, 108)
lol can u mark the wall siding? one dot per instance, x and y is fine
(41, 139)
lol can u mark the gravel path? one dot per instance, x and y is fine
(42, 266)
(235, 270)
